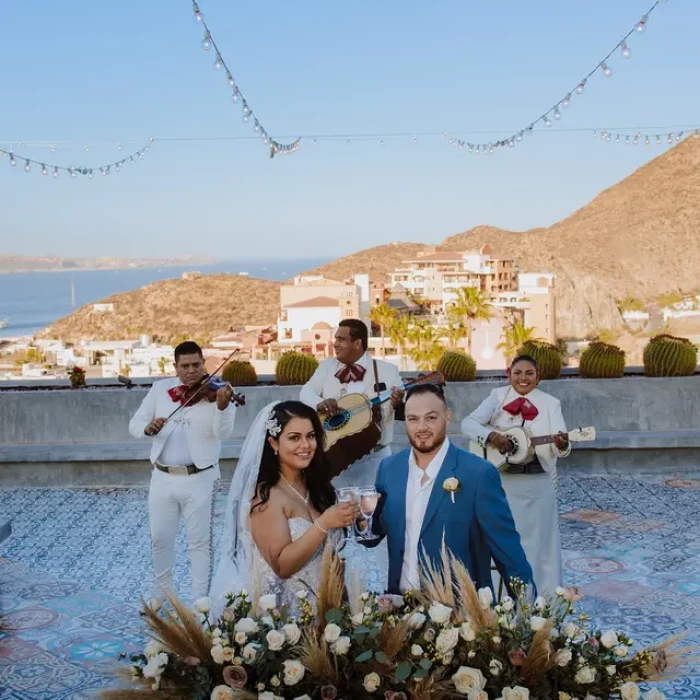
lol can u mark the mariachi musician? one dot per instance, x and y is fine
(354, 371)
(185, 454)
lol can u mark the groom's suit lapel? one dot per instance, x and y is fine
(400, 477)
(437, 495)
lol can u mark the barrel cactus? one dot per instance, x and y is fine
(668, 356)
(239, 373)
(295, 368)
(602, 361)
(457, 366)
(546, 355)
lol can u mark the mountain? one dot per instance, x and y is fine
(200, 308)
(52, 263)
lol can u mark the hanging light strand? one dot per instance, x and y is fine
(637, 138)
(554, 113)
(208, 43)
(73, 170)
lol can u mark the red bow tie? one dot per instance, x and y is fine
(522, 406)
(350, 373)
(179, 393)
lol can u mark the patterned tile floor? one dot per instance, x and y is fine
(78, 562)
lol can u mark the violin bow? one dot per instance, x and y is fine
(203, 384)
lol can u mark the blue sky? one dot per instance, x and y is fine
(108, 71)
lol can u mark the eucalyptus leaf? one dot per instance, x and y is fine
(403, 671)
(425, 664)
(364, 656)
(381, 657)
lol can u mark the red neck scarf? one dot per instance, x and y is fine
(178, 393)
(350, 373)
(522, 406)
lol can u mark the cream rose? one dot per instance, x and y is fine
(416, 620)
(357, 619)
(585, 675)
(217, 653)
(468, 679)
(563, 657)
(478, 695)
(267, 602)
(275, 640)
(517, 692)
(250, 651)
(609, 639)
(222, 692)
(228, 614)
(612, 670)
(467, 632)
(291, 633)
(202, 605)
(630, 691)
(654, 694)
(495, 667)
(342, 646)
(153, 648)
(247, 625)
(485, 598)
(537, 622)
(439, 613)
(293, 672)
(622, 651)
(507, 604)
(155, 666)
(371, 682)
(241, 638)
(416, 650)
(228, 654)
(540, 603)
(332, 633)
(447, 640)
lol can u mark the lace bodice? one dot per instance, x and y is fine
(308, 577)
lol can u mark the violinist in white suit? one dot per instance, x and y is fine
(352, 371)
(530, 487)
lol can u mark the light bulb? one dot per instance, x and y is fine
(140, 155)
(116, 167)
(595, 134)
(234, 97)
(13, 162)
(246, 116)
(119, 146)
(103, 172)
(415, 139)
(90, 173)
(44, 170)
(547, 123)
(670, 138)
(606, 69)
(617, 139)
(109, 170)
(511, 143)
(647, 141)
(347, 143)
(627, 140)
(265, 138)
(256, 128)
(27, 166)
(679, 136)
(198, 17)
(72, 172)
(580, 88)
(658, 140)
(529, 130)
(55, 172)
(519, 137)
(557, 114)
(206, 42)
(218, 64)
(470, 148)
(566, 101)
(626, 53)
(53, 149)
(642, 24)
(230, 79)
(478, 150)
(131, 160)
(381, 143)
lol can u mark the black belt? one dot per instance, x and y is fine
(533, 467)
(179, 471)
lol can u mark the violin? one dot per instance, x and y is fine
(206, 389)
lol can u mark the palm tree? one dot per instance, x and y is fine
(384, 316)
(398, 334)
(427, 349)
(454, 332)
(471, 305)
(162, 362)
(514, 338)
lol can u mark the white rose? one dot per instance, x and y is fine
(495, 667)
(416, 650)
(485, 597)
(217, 653)
(439, 613)
(429, 634)
(267, 602)
(622, 651)
(222, 692)
(560, 591)
(275, 681)
(467, 632)
(202, 605)
(612, 670)
(371, 682)
(250, 651)
(609, 639)
(471, 654)
(397, 601)
(291, 633)
(301, 594)
(228, 654)
(654, 694)
(247, 625)
(507, 604)
(478, 695)
(537, 622)
(540, 603)
(331, 633)
(267, 695)
(153, 648)
(585, 675)
(365, 595)
(450, 484)
(447, 640)
(416, 621)
(241, 638)
(496, 640)
(275, 640)
(517, 692)
(564, 696)
(342, 646)
(630, 691)
(303, 697)
(228, 614)
(563, 657)
(293, 672)
(468, 679)
(155, 666)
(571, 630)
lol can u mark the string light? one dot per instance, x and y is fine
(638, 137)
(554, 112)
(209, 43)
(72, 170)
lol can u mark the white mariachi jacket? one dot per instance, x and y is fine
(325, 385)
(490, 415)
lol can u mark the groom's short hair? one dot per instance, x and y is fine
(419, 389)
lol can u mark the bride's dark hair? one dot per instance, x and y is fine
(321, 493)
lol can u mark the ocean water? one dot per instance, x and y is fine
(33, 300)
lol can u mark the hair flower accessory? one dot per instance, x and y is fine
(273, 426)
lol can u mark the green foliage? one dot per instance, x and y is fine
(630, 304)
(295, 368)
(457, 366)
(546, 355)
(238, 373)
(668, 356)
(514, 337)
(602, 361)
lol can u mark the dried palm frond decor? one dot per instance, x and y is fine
(445, 641)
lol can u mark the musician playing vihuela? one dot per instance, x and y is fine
(354, 371)
(529, 486)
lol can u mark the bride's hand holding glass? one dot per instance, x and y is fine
(340, 515)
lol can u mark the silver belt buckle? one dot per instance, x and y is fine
(178, 471)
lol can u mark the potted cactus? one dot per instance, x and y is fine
(546, 355)
(457, 366)
(77, 377)
(602, 361)
(669, 356)
(295, 368)
(240, 373)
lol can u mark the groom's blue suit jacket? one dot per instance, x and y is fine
(477, 527)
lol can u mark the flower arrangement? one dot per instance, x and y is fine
(446, 641)
(77, 376)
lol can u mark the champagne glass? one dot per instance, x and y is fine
(369, 499)
(347, 494)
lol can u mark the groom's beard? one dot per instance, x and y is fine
(428, 444)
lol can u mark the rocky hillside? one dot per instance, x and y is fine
(199, 308)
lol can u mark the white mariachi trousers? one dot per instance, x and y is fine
(191, 497)
(364, 471)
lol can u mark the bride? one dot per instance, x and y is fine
(280, 509)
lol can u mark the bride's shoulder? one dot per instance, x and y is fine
(272, 499)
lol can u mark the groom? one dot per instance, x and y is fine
(436, 491)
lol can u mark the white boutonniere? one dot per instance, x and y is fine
(452, 485)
